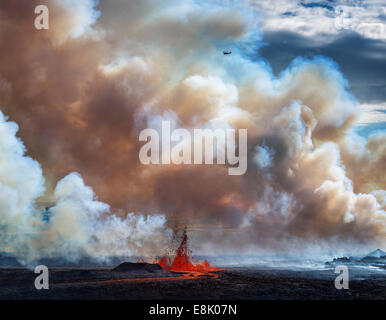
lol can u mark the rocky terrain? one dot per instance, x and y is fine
(376, 258)
(132, 281)
(233, 283)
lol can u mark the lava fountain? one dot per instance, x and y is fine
(182, 261)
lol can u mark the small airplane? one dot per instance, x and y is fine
(227, 52)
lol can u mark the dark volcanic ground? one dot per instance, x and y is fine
(233, 283)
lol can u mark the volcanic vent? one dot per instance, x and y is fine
(182, 262)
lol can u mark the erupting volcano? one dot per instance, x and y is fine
(179, 261)
(182, 260)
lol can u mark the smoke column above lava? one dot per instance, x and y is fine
(83, 90)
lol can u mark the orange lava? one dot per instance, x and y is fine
(185, 276)
(182, 262)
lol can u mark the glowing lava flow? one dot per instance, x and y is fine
(182, 263)
(185, 276)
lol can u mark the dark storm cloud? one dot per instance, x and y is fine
(362, 60)
(324, 5)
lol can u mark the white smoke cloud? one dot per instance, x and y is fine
(21, 181)
(77, 225)
(323, 19)
(372, 113)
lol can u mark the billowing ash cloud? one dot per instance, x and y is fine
(77, 225)
(82, 91)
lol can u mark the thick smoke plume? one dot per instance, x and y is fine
(76, 226)
(82, 91)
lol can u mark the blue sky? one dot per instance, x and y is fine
(352, 33)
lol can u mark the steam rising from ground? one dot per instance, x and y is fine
(98, 77)
(78, 225)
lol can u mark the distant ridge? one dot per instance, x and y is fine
(7, 260)
(376, 257)
(376, 254)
